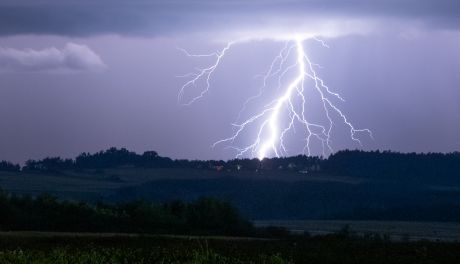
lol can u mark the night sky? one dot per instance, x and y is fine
(80, 76)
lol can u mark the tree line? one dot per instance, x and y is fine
(47, 213)
(394, 165)
(114, 157)
(8, 166)
(356, 163)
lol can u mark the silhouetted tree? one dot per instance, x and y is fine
(8, 166)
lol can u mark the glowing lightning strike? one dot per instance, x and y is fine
(271, 133)
(202, 73)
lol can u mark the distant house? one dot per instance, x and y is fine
(314, 167)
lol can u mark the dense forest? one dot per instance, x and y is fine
(356, 163)
(47, 213)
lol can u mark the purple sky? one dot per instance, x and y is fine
(91, 76)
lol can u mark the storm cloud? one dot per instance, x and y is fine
(163, 18)
(72, 58)
(395, 62)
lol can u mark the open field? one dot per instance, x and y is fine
(266, 194)
(56, 248)
(90, 184)
(395, 230)
(96, 185)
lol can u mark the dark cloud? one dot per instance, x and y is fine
(150, 18)
(72, 58)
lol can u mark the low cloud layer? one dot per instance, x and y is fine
(178, 17)
(72, 58)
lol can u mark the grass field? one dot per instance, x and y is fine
(394, 230)
(90, 185)
(94, 185)
(57, 248)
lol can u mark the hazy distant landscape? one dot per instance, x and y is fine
(353, 185)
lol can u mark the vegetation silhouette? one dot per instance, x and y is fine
(350, 184)
(356, 163)
(46, 213)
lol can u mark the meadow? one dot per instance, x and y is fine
(393, 230)
(57, 248)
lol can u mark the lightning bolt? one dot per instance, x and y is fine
(205, 73)
(290, 106)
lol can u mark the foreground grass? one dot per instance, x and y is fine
(125, 256)
(43, 248)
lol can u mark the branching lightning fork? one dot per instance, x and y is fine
(270, 131)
